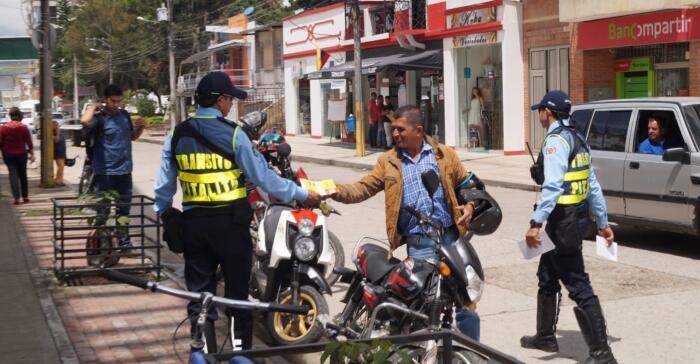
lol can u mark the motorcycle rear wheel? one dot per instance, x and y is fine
(288, 329)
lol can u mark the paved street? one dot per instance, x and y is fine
(648, 296)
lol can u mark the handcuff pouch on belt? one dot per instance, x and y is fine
(172, 230)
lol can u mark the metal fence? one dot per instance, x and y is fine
(74, 229)
(448, 338)
(270, 100)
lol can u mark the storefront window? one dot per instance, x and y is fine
(481, 98)
(672, 82)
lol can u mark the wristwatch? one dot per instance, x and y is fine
(535, 224)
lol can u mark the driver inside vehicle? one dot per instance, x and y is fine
(659, 135)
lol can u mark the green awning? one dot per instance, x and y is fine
(15, 49)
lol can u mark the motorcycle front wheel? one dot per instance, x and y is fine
(287, 329)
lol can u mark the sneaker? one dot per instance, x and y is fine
(16, 202)
(25, 200)
(125, 248)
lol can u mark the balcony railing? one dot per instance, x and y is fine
(239, 77)
(390, 16)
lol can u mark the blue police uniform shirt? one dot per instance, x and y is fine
(112, 151)
(252, 164)
(556, 162)
(414, 193)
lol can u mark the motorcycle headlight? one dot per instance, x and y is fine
(304, 249)
(475, 285)
(306, 227)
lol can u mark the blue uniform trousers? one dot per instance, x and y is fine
(565, 263)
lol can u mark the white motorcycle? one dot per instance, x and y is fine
(296, 242)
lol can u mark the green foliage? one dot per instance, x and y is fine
(145, 107)
(118, 224)
(378, 352)
(154, 120)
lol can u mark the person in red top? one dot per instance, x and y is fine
(375, 115)
(16, 143)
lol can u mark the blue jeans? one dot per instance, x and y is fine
(422, 247)
(123, 185)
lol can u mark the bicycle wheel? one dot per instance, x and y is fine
(87, 180)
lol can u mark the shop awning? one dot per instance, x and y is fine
(14, 49)
(428, 60)
(213, 49)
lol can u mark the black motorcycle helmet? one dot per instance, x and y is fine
(487, 214)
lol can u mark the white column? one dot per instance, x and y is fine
(411, 88)
(450, 76)
(316, 108)
(513, 79)
(291, 99)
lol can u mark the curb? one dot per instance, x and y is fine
(42, 286)
(365, 166)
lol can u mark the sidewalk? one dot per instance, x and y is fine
(494, 168)
(86, 320)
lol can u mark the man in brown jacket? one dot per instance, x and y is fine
(398, 174)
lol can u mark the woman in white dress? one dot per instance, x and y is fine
(474, 118)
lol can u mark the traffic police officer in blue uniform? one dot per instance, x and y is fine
(569, 191)
(210, 156)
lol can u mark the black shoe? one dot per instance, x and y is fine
(547, 315)
(592, 323)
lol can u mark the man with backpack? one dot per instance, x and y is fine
(110, 136)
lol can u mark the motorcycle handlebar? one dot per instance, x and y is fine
(422, 218)
(198, 297)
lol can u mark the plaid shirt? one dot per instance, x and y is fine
(414, 194)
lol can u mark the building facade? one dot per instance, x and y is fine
(428, 53)
(609, 49)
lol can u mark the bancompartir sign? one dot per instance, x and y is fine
(651, 28)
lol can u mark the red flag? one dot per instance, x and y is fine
(321, 58)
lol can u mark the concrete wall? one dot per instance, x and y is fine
(583, 10)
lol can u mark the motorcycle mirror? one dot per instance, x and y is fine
(284, 150)
(430, 182)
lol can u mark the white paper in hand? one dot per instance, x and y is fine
(529, 253)
(602, 249)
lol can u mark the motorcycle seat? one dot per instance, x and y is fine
(376, 265)
(272, 219)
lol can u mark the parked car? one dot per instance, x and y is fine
(28, 120)
(656, 191)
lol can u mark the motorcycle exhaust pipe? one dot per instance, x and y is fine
(390, 306)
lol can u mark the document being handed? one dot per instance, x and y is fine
(324, 188)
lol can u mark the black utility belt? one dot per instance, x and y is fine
(241, 207)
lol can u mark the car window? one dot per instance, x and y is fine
(580, 119)
(692, 115)
(672, 137)
(609, 130)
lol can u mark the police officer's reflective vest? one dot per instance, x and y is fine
(209, 175)
(576, 184)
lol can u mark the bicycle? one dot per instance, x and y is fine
(87, 178)
(200, 353)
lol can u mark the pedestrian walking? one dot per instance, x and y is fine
(111, 132)
(59, 153)
(210, 156)
(569, 187)
(16, 145)
(375, 114)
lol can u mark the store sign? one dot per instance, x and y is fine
(472, 17)
(633, 64)
(654, 28)
(475, 39)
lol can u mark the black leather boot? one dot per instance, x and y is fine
(547, 315)
(592, 323)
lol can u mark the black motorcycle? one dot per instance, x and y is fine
(391, 297)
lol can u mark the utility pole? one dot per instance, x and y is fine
(45, 99)
(76, 99)
(359, 92)
(174, 117)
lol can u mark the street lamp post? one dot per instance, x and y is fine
(165, 14)
(109, 55)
